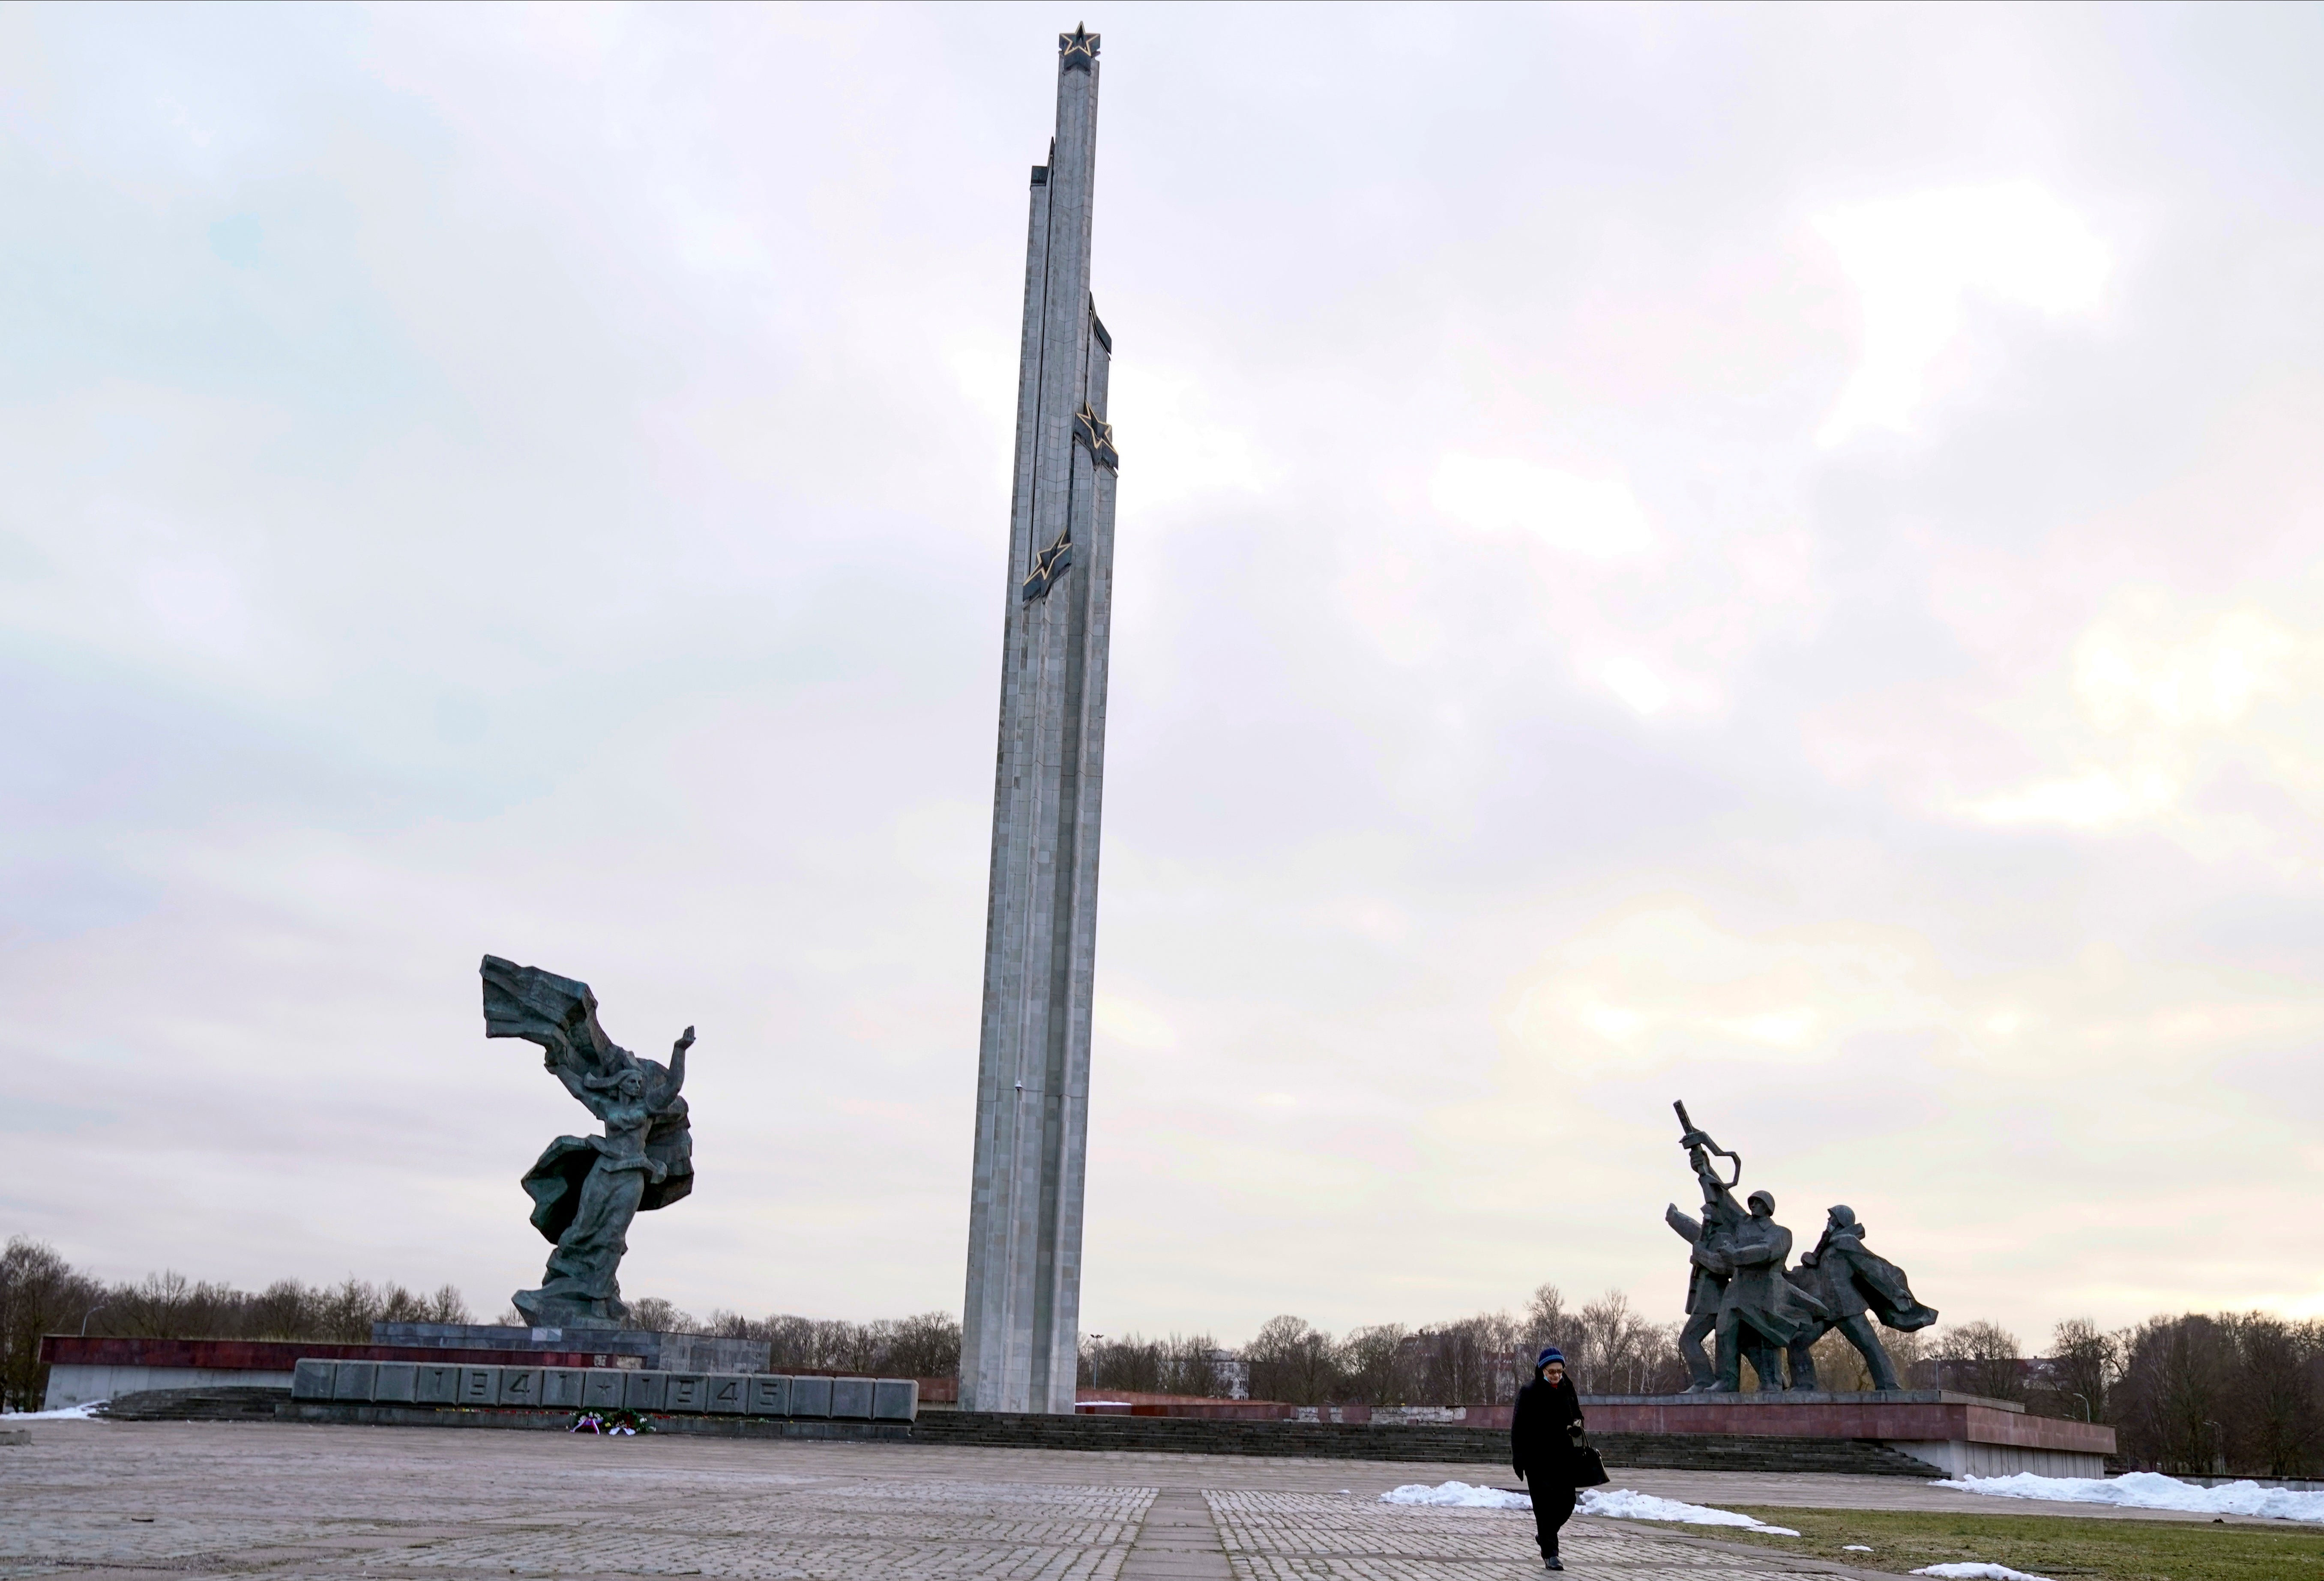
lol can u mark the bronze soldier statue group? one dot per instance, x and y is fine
(1742, 1293)
(1739, 1292)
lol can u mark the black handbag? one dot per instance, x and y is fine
(1589, 1470)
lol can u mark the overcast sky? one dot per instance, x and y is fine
(1764, 557)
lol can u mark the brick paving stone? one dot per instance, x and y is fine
(1316, 1536)
(105, 1501)
(1178, 1541)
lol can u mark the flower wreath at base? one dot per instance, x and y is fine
(612, 1423)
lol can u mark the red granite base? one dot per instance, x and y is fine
(1958, 1433)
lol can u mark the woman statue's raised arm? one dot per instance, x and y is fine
(677, 1064)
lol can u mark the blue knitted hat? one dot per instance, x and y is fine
(1549, 1354)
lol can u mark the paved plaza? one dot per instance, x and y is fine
(96, 1499)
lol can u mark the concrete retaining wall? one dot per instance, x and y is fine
(80, 1384)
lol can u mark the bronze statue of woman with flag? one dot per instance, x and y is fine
(586, 1189)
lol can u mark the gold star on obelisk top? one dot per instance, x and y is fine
(1095, 432)
(1077, 49)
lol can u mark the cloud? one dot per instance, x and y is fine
(1636, 683)
(2169, 702)
(2146, 665)
(1184, 450)
(1917, 261)
(2090, 798)
(1130, 1022)
(1596, 519)
(1659, 981)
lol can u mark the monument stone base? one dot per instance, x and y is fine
(675, 1353)
(85, 1369)
(336, 1413)
(1959, 1435)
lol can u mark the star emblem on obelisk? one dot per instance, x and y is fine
(1095, 432)
(1077, 49)
(1048, 565)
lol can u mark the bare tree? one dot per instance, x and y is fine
(1465, 1361)
(924, 1346)
(1982, 1358)
(1292, 1362)
(1374, 1366)
(1128, 1362)
(1616, 1351)
(2084, 1361)
(1190, 1366)
(2231, 1392)
(39, 1294)
(1546, 1321)
(1178, 1363)
(659, 1316)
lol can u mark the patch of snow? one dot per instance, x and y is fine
(2150, 1489)
(1622, 1504)
(1979, 1573)
(1614, 1503)
(80, 1413)
(1457, 1494)
(1855, 1548)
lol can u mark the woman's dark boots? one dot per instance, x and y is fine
(1549, 1561)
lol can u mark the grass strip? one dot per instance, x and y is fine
(2070, 1548)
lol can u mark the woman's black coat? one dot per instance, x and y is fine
(1542, 1429)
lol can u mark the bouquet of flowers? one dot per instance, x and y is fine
(612, 1423)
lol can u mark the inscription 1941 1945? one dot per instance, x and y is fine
(1740, 1290)
(586, 1189)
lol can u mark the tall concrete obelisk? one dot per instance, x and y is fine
(1019, 1330)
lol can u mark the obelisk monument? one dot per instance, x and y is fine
(1020, 1328)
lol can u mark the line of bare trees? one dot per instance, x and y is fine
(2217, 1393)
(1480, 1360)
(927, 1345)
(2233, 1392)
(41, 1293)
(924, 1346)
(1177, 1364)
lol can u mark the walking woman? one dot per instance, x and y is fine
(1544, 1444)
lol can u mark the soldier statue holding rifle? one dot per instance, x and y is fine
(1740, 1291)
(1741, 1250)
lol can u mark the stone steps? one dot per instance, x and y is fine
(1403, 1441)
(210, 1403)
(1719, 1452)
